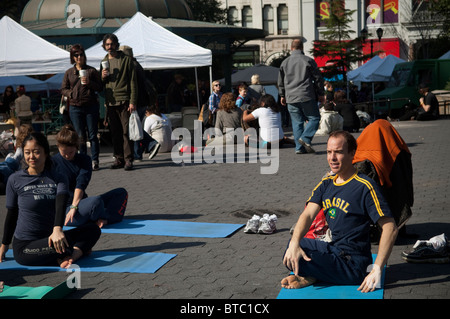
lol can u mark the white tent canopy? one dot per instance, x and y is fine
(154, 47)
(375, 70)
(24, 53)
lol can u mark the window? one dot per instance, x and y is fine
(283, 24)
(232, 16)
(268, 19)
(247, 19)
(323, 12)
(375, 14)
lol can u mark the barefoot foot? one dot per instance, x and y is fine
(296, 282)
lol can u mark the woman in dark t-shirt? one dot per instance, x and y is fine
(36, 199)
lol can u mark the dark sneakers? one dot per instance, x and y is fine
(128, 165)
(425, 252)
(307, 146)
(117, 164)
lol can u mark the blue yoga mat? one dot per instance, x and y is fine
(102, 261)
(321, 290)
(171, 228)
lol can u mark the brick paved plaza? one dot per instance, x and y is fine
(249, 266)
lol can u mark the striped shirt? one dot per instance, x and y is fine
(350, 208)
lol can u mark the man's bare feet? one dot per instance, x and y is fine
(296, 282)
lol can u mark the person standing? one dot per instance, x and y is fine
(121, 91)
(300, 85)
(81, 92)
(22, 106)
(214, 100)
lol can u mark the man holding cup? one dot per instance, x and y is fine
(120, 88)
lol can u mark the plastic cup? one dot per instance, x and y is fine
(83, 73)
(105, 65)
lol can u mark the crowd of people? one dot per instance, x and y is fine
(34, 223)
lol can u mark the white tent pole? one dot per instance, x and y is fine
(210, 80)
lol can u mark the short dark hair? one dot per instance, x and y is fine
(113, 38)
(297, 44)
(75, 49)
(349, 138)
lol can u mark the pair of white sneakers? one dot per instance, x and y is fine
(261, 225)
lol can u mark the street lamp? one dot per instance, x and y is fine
(365, 34)
(379, 34)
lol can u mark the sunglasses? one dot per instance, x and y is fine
(216, 84)
(76, 55)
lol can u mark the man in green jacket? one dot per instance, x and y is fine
(121, 90)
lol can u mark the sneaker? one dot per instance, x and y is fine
(425, 252)
(128, 165)
(154, 150)
(300, 151)
(117, 164)
(307, 146)
(268, 224)
(95, 166)
(252, 225)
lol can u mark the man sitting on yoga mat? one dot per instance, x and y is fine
(350, 201)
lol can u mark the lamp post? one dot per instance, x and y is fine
(364, 35)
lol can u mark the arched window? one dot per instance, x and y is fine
(247, 18)
(283, 23)
(232, 16)
(268, 19)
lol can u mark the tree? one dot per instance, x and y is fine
(208, 11)
(337, 43)
(12, 8)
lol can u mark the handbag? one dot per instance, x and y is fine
(135, 127)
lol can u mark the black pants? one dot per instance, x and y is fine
(118, 119)
(38, 253)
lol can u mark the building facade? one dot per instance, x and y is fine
(404, 23)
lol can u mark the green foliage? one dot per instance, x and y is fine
(208, 11)
(337, 42)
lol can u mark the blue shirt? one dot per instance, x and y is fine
(34, 197)
(78, 172)
(349, 209)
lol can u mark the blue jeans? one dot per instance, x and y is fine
(300, 113)
(86, 118)
(110, 206)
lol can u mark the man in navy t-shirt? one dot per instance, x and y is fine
(351, 202)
